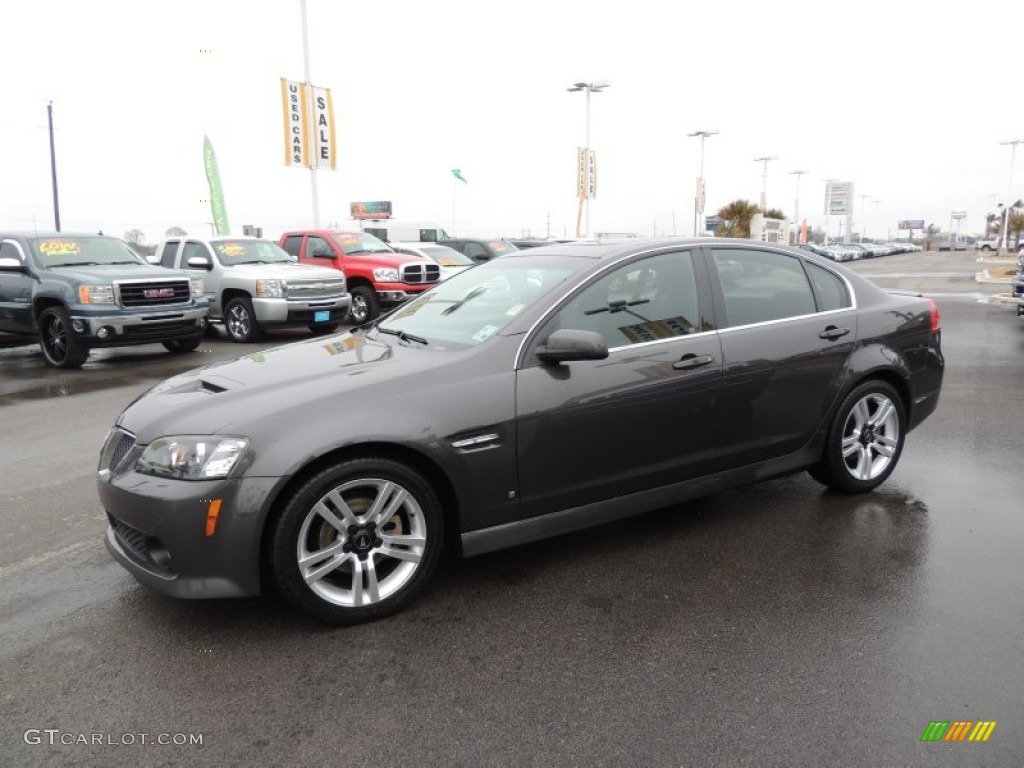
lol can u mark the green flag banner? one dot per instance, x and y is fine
(220, 214)
(457, 173)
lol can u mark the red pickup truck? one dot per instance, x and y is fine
(377, 276)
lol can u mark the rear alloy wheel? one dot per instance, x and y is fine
(357, 541)
(865, 440)
(181, 346)
(240, 321)
(61, 348)
(364, 306)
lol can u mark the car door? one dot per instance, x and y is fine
(16, 290)
(788, 328)
(210, 275)
(646, 416)
(319, 252)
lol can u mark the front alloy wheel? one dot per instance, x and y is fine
(60, 346)
(240, 320)
(358, 541)
(865, 439)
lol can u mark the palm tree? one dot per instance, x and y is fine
(734, 219)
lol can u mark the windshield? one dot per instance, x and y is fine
(72, 251)
(500, 247)
(447, 257)
(231, 252)
(360, 242)
(477, 303)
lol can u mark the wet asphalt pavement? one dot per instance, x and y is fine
(775, 625)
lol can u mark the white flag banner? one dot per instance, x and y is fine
(296, 130)
(325, 147)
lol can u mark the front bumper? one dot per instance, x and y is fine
(391, 294)
(139, 328)
(158, 532)
(1017, 285)
(292, 312)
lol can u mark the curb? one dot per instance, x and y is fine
(985, 276)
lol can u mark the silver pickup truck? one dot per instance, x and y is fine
(253, 284)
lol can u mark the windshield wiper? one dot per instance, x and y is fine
(468, 297)
(75, 264)
(403, 335)
(253, 261)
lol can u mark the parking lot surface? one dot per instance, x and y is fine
(775, 625)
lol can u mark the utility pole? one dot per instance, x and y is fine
(1004, 241)
(764, 180)
(796, 203)
(53, 170)
(698, 201)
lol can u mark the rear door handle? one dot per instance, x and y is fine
(692, 361)
(832, 333)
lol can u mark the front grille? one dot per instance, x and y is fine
(115, 448)
(419, 272)
(160, 330)
(153, 293)
(315, 289)
(140, 546)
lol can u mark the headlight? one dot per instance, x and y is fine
(190, 457)
(197, 287)
(386, 275)
(96, 294)
(270, 289)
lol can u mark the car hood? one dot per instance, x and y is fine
(102, 273)
(282, 272)
(257, 392)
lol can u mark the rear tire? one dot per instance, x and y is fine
(61, 348)
(864, 441)
(357, 541)
(364, 306)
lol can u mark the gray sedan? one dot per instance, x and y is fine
(534, 395)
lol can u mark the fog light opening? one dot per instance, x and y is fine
(78, 325)
(105, 332)
(161, 557)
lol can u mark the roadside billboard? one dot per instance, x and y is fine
(371, 209)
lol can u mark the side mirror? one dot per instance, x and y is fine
(152, 258)
(198, 262)
(10, 264)
(570, 344)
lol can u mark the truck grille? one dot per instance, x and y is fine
(153, 293)
(315, 289)
(115, 448)
(418, 272)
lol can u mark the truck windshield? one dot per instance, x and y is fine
(360, 242)
(75, 251)
(232, 252)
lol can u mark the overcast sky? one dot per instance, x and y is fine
(901, 98)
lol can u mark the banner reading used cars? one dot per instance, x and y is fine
(309, 139)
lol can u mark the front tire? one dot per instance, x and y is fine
(364, 306)
(240, 321)
(61, 348)
(181, 346)
(864, 441)
(357, 541)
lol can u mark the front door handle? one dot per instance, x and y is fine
(832, 333)
(692, 361)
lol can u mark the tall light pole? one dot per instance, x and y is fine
(698, 201)
(595, 87)
(863, 207)
(875, 203)
(796, 202)
(764, 180)
(53, 170)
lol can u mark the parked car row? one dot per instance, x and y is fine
(857, 251)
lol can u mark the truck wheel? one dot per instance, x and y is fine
(240, 321)
(364, 306)
(181, 346)
(61, 348)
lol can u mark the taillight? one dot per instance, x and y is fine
(935, 316)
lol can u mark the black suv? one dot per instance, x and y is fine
(76, 292)
(479, 249)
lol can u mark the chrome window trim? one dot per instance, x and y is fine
(17, 245)
(517, 360)
(661, 341)
(783, 320)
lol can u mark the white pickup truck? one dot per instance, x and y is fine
(988, 244)
(253, 284)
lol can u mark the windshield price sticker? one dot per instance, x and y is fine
(59, 248)
(484, 333)
(231, 250)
